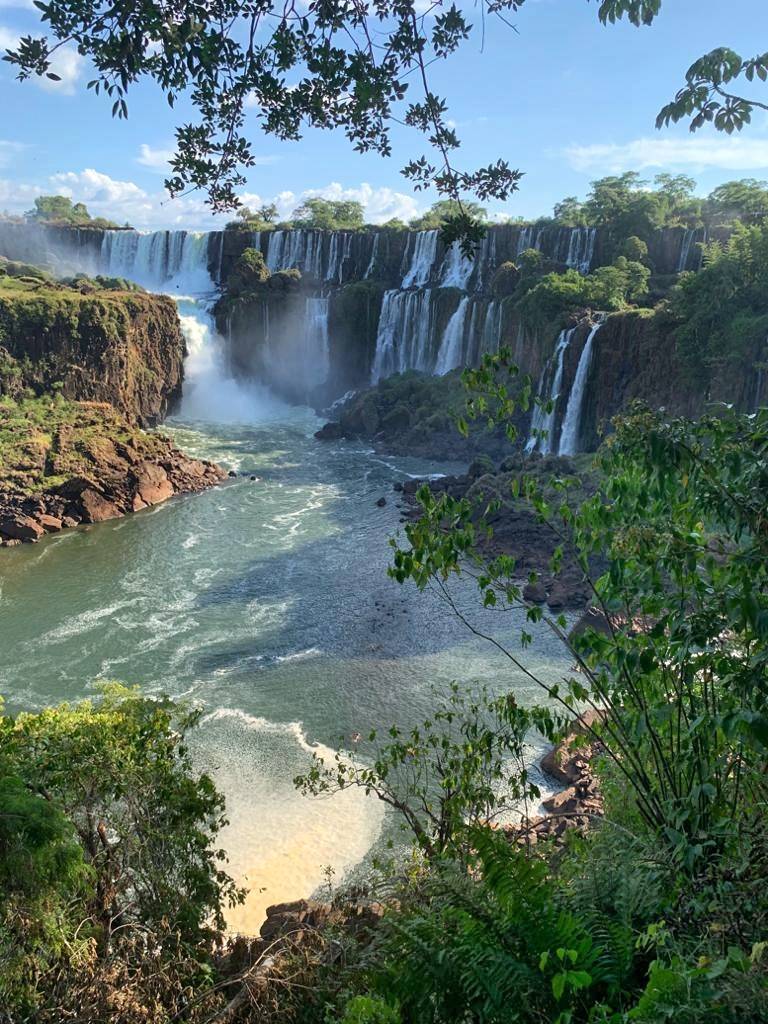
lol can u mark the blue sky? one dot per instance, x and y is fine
(564, 99)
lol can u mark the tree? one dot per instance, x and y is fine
(446, 210)
(678, 187)
(745, 200)
(262, 219)
(248, 273)
(329, 215)
(61, 210)
(570, 212)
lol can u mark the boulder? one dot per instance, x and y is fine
(96, 508)
(330, 432)
(558, 595)
(152, 483)
(381, 502)
(51, 524)
(20, 527)
(535, 592)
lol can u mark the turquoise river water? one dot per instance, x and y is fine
(267, 602)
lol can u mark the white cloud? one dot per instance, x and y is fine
(696, 152)
(155, 159)
(66, 63)
(380, 204)
(125, 201)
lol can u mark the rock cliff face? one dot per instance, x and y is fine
(125, 348)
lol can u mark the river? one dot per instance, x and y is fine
(265, 601)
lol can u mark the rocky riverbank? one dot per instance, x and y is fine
(516, 528)
(64, 463)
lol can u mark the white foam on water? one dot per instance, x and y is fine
(282, 841)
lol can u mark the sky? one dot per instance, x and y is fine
(561, 97)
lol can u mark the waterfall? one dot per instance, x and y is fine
(570, 434)
(404, 334)
(170, 261)
(452, 346)
(456, 269)
(374, 256)
(543, 423)
(491, 336)
(525, 241)
(685, 249)
(422, 259)
(581, 249)
(316, 340)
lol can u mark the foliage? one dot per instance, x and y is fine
(720, 311)
(745, 200)
(682, 698)
(61, 210)
(109, 841)
(329, 215)
(554, 296)
(249, 271)
(463, 765)
(262, 219)
(446, 210)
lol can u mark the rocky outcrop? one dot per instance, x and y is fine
(89, 466)
(579, 803)
(516, 528)
(125, 348)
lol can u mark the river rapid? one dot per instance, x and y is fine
(266, 602)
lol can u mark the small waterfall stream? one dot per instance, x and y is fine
(543, 422)
(570, 433)
(452, 346)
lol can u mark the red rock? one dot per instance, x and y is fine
(51, 524)
(20, 527)
(96, 508)
(152, 483)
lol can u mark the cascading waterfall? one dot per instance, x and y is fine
(457, 269)
(543, 423)
(176, 263)
(451, 350)
(422, 261)
(491, 337)
(317, 346)
(581, 249)
(404, 333)
(570, 434)
(685, 249)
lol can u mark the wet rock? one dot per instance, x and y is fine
(330, 432)
(231, 473)
(381, 502)
(558, 596)
(535, 592)
(152, 484)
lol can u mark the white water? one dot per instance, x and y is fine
(404, 333)
(423, 253)
(685, 249)
(451, 351)
(543, 423)
(571, 430)
(457, 269)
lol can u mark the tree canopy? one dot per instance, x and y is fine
(61, 210)
(329, 215)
